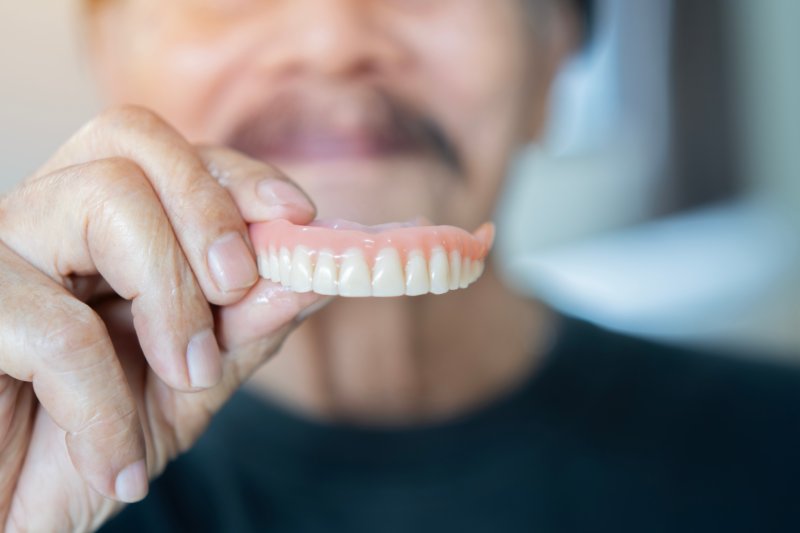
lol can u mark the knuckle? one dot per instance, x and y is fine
(116, 178)
(128, 116)
(115, 422)
(117, 169)
(205, 197)
(73, 329)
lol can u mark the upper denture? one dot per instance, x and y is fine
(348, 259)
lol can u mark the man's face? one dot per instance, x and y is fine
(382, 110)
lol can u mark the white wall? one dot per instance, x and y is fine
(45, 87)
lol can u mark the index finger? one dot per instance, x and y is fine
(261, 191)
(204, 217)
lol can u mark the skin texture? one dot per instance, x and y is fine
(381, 110)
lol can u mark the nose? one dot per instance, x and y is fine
(335, 38)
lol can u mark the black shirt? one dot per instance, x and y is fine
(611, 433)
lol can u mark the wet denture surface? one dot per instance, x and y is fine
(347, 259)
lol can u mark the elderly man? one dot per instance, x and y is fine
(132, 309)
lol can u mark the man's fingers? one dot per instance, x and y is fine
(114, 225)
(261, 192)
(60, 345)
(205, 219)
(267, 308)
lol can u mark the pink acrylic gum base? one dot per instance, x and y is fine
(281, 233)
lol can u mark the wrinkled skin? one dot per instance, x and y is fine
(103, 285)
(393, 108)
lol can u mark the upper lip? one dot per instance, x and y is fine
(328, 123)
(328, 144)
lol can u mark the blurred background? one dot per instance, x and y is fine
(664, 200)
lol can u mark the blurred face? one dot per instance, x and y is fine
(382, 110)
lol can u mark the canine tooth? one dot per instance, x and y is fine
(455, 269)
(387, 275)
(263, 265)
(325, 274)
(274, 265)
(285, 260)
(416, 274)
(466, 270)
(439, 271)
(354, 278)
(301, 269)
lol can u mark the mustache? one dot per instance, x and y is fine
(373, 113)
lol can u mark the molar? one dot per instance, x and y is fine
(274, 265)
(285, 260)
(387, 275)
(466, 272)
(477, 270)
(263, 265)
(455, 269)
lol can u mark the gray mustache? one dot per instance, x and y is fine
(373, 112)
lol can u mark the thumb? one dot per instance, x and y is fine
(266, 310)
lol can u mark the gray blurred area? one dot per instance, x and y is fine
(664, 200)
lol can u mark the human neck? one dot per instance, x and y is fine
(403, 361)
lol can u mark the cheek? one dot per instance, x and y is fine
(182, 71)
(477, 79)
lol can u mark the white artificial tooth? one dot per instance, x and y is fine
(417, 280)
(354, 278)
(263, 264)
(325, 274)
(387, 275)
(439, 271)
(301, 270)
(477, 269)
(285, 260)
(466, 270)
(274, 265)
(455, 269)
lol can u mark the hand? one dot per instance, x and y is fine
(110, 361)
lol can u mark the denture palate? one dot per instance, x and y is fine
(347, 259)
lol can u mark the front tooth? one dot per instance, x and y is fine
(455, 269)
(387, 275)
(325, 274)
(301, 270)
(439, 272)
(274, 265)
(354, 275)
(417, 279)
(285, 260)
(263, 264)
(466, 270)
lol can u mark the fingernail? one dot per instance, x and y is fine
(131, 483)
(231, 263)
(282, 195)
(203, 360)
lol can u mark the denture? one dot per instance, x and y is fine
(347, 259)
